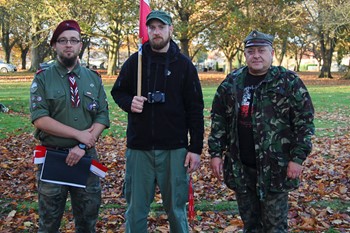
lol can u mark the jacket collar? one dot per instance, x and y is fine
(62, 70)
(172, 53)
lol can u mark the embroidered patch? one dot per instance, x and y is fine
(33, 87)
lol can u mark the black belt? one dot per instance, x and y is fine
(57, 148)
(66, 149)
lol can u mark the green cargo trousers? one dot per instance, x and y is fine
(145, 170)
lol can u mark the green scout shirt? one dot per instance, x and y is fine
(50, 96)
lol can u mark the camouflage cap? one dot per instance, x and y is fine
(256, 38)
(163, 16)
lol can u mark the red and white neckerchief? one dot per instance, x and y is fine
(74, 94)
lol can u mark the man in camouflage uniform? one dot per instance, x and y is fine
(68, 117)
(262, 123)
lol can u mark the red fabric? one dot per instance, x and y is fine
(39, 154)
(75, 100)
(99, 166)
(191, 213)
(144, 11)
(40, 151)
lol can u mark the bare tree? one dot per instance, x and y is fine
(7, 38)
(329, 19)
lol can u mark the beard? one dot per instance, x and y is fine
(159, 45)
(68, 61)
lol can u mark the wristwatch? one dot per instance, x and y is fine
(82, 146)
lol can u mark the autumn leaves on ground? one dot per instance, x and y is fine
(325, 184)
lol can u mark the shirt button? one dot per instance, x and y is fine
(75, 118)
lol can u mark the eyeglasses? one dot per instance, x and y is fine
(64, 41)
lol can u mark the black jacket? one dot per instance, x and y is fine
(162, 126)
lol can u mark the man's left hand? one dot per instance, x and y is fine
(294, 170)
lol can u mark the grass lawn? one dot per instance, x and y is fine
(331, 106)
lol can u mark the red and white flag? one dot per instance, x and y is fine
(144, 11)
(191, 212)
(98, 169)
(39, 154)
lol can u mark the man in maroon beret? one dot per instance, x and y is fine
(63, 26)
(69, 109)
(67, 31)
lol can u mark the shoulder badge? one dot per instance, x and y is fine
(33, 87)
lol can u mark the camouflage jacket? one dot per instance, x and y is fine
(282, 126)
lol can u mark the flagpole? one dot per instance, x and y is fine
(139, 69)
(143, 37)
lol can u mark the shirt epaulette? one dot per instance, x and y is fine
(99, 75)
(39, 71)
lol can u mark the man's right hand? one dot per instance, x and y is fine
(86, 137)
(137, 104)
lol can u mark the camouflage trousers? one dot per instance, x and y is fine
(85, 205)
(267, 216)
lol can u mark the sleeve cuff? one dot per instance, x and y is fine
(298, 160)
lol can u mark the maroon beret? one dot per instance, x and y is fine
(63, 26)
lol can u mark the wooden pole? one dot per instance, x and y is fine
(139, 69)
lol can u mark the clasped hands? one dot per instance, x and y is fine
(75, 154)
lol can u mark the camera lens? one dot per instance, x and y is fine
(157, 97)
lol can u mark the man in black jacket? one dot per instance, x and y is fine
(170, 108)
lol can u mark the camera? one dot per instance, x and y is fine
(156, 97)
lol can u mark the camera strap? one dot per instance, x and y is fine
(166, 73)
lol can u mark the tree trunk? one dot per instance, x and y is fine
(327, 48)
(35, 58)
(240, 59)
(35, 53)
(347, 75)
(24, 52)
(35, 61)
(86, 44)
(185, 47)
(228, 67)
(112, 58)
(5, 34)
(283, 51)
(7, 45)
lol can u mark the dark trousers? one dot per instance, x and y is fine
(262, 216)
